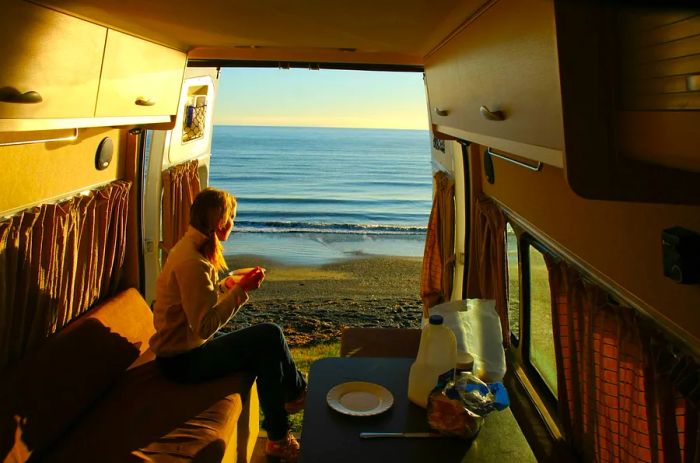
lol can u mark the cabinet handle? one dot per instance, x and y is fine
(441, 112)
(12, 95)
(145, 101)
(492, 115)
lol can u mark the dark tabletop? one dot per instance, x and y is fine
(329, 436)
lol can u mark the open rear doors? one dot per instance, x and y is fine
(449, 156)
(178, 155)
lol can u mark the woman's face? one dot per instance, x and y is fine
(226, 227)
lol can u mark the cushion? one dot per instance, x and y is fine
(52, 386)
(146, 417)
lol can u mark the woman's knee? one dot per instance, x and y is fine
(273, 338)
(271, 331)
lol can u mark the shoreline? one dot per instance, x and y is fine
(312, 303)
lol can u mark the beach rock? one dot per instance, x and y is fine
(313, 303)
(313, 322)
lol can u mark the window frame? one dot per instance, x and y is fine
(545, 393)
(515, 338)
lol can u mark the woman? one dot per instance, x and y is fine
(188, 311)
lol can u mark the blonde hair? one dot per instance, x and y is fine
(210, 210)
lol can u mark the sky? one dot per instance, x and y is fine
(321, 98)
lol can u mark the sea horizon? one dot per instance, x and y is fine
(324, 194)
(219, 124)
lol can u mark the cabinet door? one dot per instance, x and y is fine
(52, 54)
(504, 60)
(631, 96)
(139, 78)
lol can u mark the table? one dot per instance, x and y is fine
(328, 436)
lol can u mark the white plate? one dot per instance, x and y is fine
(358, 398)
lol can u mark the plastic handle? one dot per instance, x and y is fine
(30, 97)
(441, 112)
(145, 101)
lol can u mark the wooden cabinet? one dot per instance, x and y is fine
(631, 99)
(59, 71)
(504, 60)
(139, 78)
(50, 63)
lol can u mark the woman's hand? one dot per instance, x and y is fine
(252, 280)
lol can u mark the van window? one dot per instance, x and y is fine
(513, 284)
(540, 349)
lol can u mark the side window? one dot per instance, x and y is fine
(540, 339)
(513, 283)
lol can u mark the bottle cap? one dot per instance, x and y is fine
(435, 319)
(465, 361)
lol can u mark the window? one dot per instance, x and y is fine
(513, 283)
(540, 339)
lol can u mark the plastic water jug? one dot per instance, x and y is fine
(477, 327)
(437, 353)
(485, 339)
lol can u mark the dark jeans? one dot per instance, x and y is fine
(261, 349)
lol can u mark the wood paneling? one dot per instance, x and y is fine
(32, 174)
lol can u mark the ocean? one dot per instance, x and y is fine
(309, 196)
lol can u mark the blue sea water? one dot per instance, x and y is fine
(316, 195)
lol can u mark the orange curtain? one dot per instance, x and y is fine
(439, 254)
(56, 260)
(180, 186)
(625, 394)
(487, 260)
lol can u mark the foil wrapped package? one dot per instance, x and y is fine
(460, 401)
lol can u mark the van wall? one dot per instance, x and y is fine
(37, 173)
(34, 174)
(619, 242)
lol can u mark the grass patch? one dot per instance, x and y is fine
(304, 357)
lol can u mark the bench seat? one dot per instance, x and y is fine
(97, 383)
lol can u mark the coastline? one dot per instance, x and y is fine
(313, 302)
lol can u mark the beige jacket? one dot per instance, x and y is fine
(188, 310)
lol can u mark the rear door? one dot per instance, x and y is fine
(189, 140)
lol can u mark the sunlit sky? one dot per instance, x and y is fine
(321, 98)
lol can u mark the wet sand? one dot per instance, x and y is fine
(313, 303)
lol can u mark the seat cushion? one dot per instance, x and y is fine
(146, 417)
(53, 385)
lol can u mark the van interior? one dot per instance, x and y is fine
(568, 136)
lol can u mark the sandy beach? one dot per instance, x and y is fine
(313, 303)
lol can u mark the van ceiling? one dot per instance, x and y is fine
(379, 31)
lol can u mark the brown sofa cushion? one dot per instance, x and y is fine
(52, 386)
(93, 393)
(149, 418)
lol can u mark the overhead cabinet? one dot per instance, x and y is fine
(631, 99)
(51, 70)
(139, 78)
(497, 82)
(61, 72)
